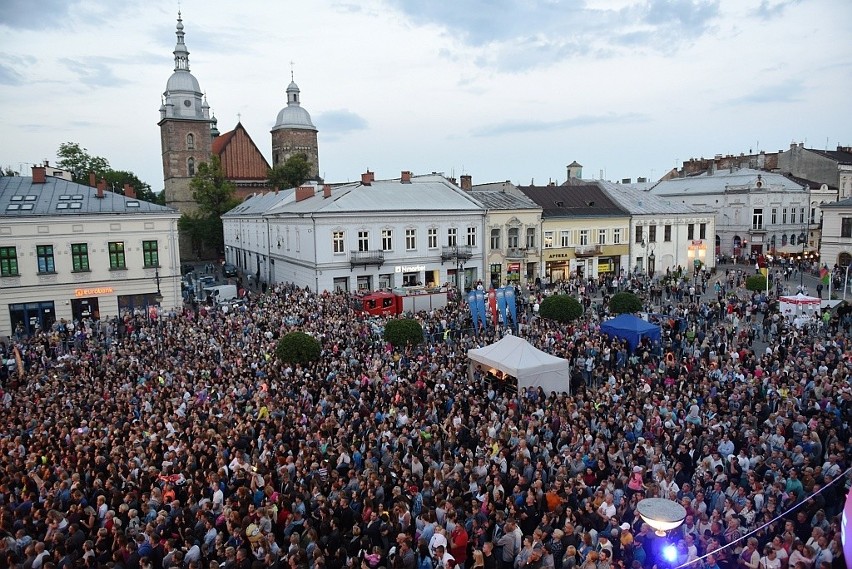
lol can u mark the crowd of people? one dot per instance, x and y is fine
(181, 441)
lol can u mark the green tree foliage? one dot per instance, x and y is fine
(79, 162)
(214, 195)
(298, 348)
(291, 174)
(561, 307)
(625, 303)
(402, 332)
(756, 283)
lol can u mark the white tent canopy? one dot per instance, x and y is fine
(800, 307)
(532, 367)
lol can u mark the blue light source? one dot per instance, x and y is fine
(670, 553)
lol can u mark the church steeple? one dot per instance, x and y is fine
(181, 53)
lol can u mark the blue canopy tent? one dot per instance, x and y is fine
(631, 329)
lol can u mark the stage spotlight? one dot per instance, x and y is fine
(670, 553)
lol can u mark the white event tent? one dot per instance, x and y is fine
(532, 367)
(800, 307)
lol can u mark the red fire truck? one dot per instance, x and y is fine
(385, 303)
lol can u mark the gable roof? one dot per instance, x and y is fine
(241, 159)
(724, 181)
(58, 196)
(636, 199)
(495, 199)
(586, 200)
(839, 156)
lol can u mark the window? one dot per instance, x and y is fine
(690, 231)
(813, 216)
(530, 237)
(548, 240)
(801, 215)
(584, 237)
(8, 262)
(44, 253)
(616, 236)
(514, 237)
(116, 255)
(495, 239)
(387, 239)
(774, 218)
(190, 167)
(784, 215)
(757, 219)
(564, 238)
(702, 231)
(79, 257)
(410, 239)
(667, 233)
(471, 237)
(652, 234)
(150, 254)
(452, 237)
(363, 240)
(846, 227)
(337, 242)
(432, 237)
(639, 233)
(601, 236)
(190, 142)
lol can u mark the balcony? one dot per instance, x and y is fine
(516, 253)
(761, 229)
(356, 258)
(587, 250)
(456, 253)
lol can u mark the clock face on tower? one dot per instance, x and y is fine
(187, 103)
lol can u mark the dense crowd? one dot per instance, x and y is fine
(182, 442)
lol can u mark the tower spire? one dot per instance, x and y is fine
(181, 53)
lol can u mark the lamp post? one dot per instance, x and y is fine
(158, 298)
(804, 239)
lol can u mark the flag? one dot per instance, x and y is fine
(471, 304)
(19, 362)
(824, 275)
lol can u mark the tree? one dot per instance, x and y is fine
(298, 348)
(214, 195)
(625, 303)
(8, 171)
(561, 307)
(401, 332)
(291, 174)
(756, 283)
(79, 162)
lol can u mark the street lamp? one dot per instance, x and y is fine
(158, 298)
(661, 514)
(804, 239)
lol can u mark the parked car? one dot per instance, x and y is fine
(229, 270)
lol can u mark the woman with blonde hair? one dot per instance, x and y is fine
(478, 559)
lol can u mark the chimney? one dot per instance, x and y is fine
(92, 181)
(46, 164)
(101, 188)
(367, 178)
(626, 180)
(641, 180)
(326, 191)
(453, 181)
(129, 192)
(712, 169)
(39, 176)
(304, 192)
(405, 177)
(466, 182)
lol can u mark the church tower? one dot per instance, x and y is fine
(294, 133)
(185, 129)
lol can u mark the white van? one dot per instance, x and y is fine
(220, 293)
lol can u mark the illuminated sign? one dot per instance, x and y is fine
(93, 291)
(409, 268)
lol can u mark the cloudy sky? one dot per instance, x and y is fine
(499, 89)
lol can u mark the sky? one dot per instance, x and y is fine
(499, 89)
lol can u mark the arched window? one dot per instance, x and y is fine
(783, 240)
(190, 167)
(844, 259)
(190, 141)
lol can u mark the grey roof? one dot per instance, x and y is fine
(722, 181)
(841, 156)
(61, 197)
(841, 203)
(587, 200)
(495, 199)
(293, 115)
(258, 204)
(423, 193)
(636, 199)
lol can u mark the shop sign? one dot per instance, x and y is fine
(409, 268)
(552, 256)
(93, 291)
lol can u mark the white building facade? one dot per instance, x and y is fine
(836, 248)
(411, 232)
(756, 212)
(664, 235)
(74, 252)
